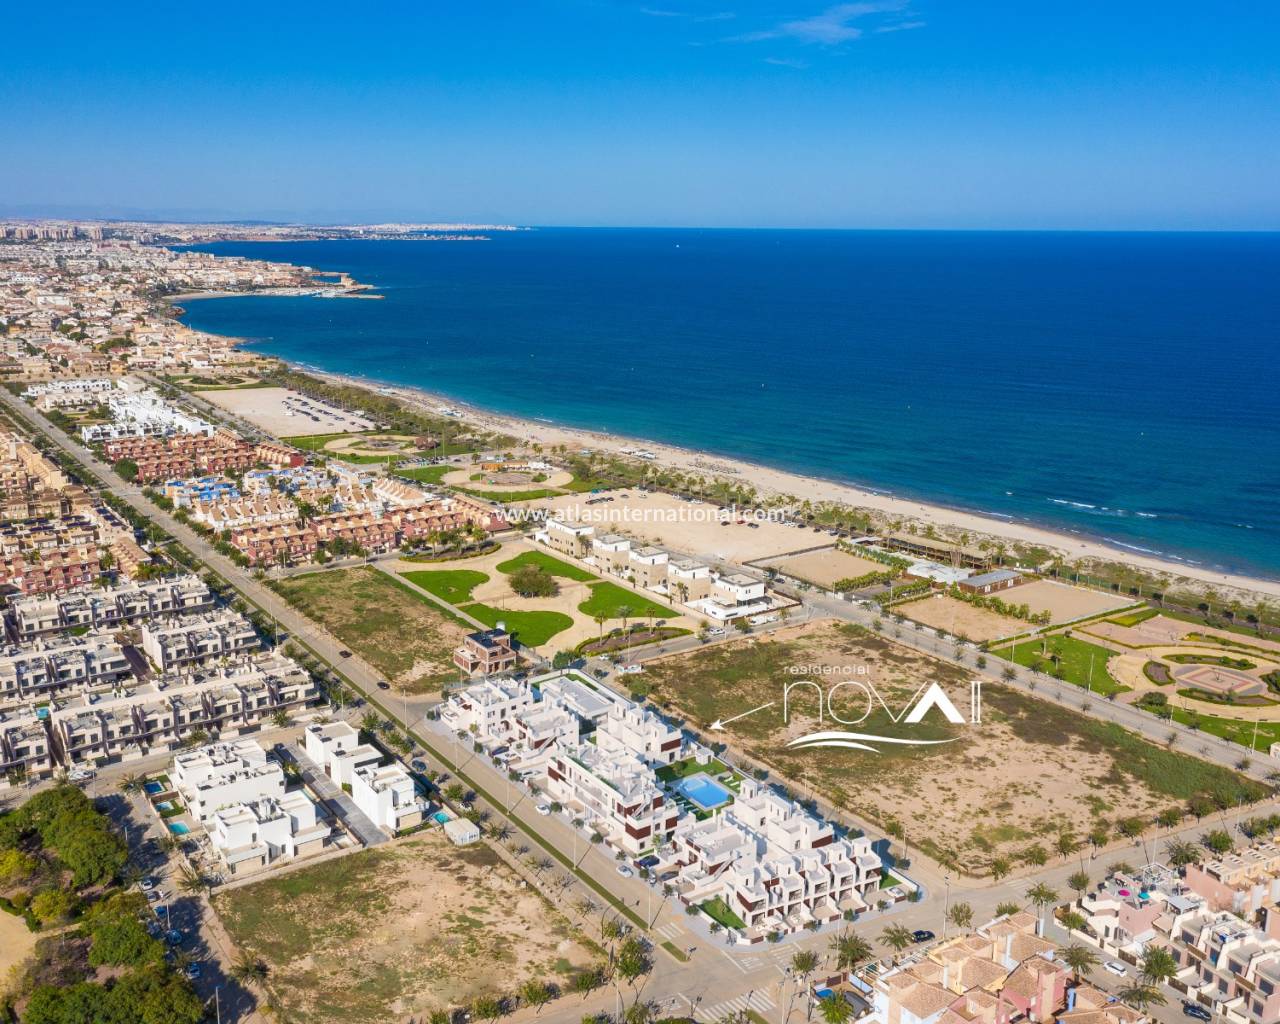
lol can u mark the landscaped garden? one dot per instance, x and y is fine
(452, 585)
(531, 628)
(550, 565)
(614, 602)
(1067, 658)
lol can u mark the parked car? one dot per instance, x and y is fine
(625, 871)
(173, 936)
(543, 809)
(1192, 1009)
(193, 971)
(148, 883)
(383, 684)
(923, 935)
(418, 765)
(344, 654)
(1116, 968)
(647, 862)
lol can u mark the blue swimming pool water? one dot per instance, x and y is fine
(441, 817)
(178, 828)
(164, 805)
(154, 788)
(704, 791)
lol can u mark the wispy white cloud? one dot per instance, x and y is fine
(832, 27)
(659, 12)
(787, 62)
(654, 12)
(901, 26)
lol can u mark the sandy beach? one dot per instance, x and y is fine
(769, 481)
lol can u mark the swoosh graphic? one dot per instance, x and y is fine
(852, 740)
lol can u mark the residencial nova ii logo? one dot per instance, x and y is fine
(851, 702)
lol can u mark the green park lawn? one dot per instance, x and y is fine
(1079, 662)
(1134, 617)
(543, 561)
(720, 912)
(425, 474)
(507, 497)
(452, 585)
(531, 628)
(610, 600)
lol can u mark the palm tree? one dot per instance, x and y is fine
(1181, 852)
(249, 970)
(192, 882)
(1081, 959)
(131, 783)
(1141, 995)
(850, 950)
(1158, 965)
(960, 915)
(834, 1009)
(1042, 896)
(804, 963)
(897, 937)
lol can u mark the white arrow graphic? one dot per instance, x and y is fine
(720, 723)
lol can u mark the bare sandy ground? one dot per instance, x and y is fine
(941, 611)
(827, 567)
(265, 409)
(691, 527)
(777, 482)
(16, 943)
(1063, 601)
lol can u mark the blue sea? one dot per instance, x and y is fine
(1120, 386)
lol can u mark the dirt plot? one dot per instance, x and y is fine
(402, 635)
(1029, 770)
(959, 618)
(433, 928)
(690, 527)
(826, 567)
(16, 941)
(268, 409)
(1063, 601)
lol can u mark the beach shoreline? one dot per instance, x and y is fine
(771, 482)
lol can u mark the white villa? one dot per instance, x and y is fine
(240, 798)
(385, 793)
(225, 774)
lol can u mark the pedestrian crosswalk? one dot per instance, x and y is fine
(669, 931)
(756, 1000)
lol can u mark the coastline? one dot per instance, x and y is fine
(769, 481)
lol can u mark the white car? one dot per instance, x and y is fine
(543, 809)
(625, 871)
(630, 670)
(1116, 968)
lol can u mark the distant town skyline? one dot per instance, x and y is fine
(876, 114)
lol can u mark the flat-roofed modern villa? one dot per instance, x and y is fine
(754, 860)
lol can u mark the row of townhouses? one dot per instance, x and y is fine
(32, 618)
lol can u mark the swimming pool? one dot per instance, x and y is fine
(178, 828)
(440, 816)
(704, 791)
(164, 805)
(154, 787)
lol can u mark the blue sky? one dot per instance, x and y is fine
(914, 113)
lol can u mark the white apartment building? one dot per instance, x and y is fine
(567, 538)
(37, 616)
(775, 865)
(126, 722)
(388, 797)
(225, 775)
(733, 596)
(36, 671)
(488, 709)
(143, 414)
(195, 640)
(24, 746)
